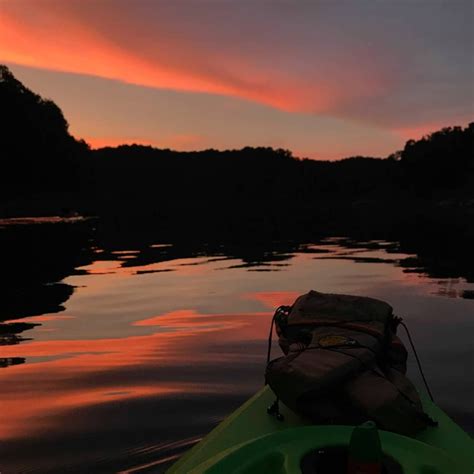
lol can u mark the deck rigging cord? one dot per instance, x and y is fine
(270, 336)
(417, 358)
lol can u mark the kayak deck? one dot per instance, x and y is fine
(251, 421)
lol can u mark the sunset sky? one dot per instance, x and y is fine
(324, 79)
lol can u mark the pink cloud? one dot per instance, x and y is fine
(66, 36)
(370, 64)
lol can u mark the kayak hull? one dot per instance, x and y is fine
(251, 441)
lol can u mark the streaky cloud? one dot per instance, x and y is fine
(379, 63)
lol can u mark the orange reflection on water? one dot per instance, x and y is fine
(73, 374)
(185, 266)
(207, 322)
(273, 299)
(25, 413)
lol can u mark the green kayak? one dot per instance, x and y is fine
(250, 441)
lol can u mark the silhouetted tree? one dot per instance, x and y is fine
(441, 161)
(37, 151)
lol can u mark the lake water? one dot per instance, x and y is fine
(158, 343)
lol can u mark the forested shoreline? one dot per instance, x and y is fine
(46, 171)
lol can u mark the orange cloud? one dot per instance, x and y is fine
(354, 79)
(54, 38)
(66, 37)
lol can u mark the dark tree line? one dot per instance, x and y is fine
(40, 157)
(441, 161)
(37, 151)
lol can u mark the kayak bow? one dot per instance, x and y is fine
(250, 441)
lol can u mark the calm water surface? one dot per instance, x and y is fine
(155, 346)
